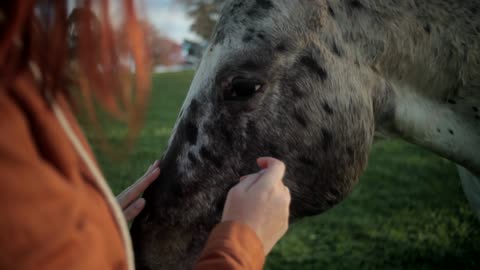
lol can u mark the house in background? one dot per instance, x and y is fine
(193, 52)
(167, 52)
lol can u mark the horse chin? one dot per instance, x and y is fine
(160, 248)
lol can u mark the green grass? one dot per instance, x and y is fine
(407, 212)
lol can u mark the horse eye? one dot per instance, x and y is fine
(244, 88)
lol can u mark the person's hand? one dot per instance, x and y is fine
(129, 199)
(261, 201)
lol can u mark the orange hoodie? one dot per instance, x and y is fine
(55, 213)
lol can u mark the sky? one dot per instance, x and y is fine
(170, 18)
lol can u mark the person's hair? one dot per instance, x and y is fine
(91, 52)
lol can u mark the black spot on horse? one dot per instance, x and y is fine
(351, 154)
(307, 161)
(236, 7)
(207, 155)
(261, 36)
(281, 47)
(439, 130)
(191, 132)
(330, 11)
(474, 10)
(427, 28)
(356, 4)
(313, 66)
(335, 49)
(253, 12)
(300, 119)
(192, 158)
(327, 108)
(177, 188)
(475, 108)
(274, 150)
(250, 30)
(451, 131)
(258, 10)
(193, 108)
(451, 101)
(247, 38)
(265, 4)
(327, 139)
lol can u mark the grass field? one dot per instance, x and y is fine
(408, 211)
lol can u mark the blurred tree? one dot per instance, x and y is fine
(205, 15)
(164, 51)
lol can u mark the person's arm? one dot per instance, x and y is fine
(232, 245)
(255, 217)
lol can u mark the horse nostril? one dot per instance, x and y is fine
(242, 88)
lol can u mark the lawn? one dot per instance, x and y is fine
(407, 212)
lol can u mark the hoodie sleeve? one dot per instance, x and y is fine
(232, 246)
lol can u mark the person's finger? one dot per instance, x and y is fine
(134, 191)
(156, 164)
(152, 167)
(134, 209)
(139, 186)
(274, 171)
(248, 175)
(247, 181)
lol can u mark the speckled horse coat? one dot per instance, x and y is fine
(311, 82)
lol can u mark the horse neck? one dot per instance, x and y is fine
(411, 42)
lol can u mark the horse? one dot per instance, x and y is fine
(313, 83)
